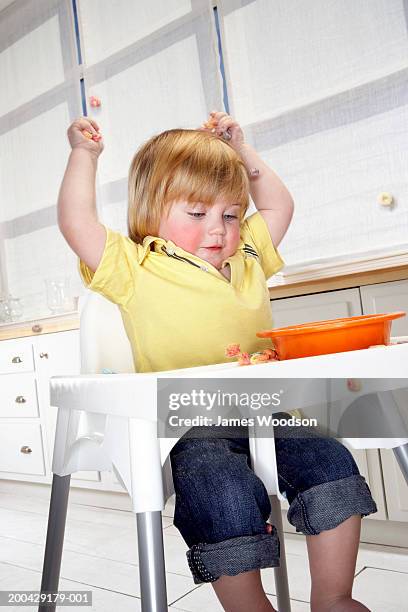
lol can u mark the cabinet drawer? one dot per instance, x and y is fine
(16, 356)
(316, 307)
(18, 396)
(21, 448)
(387, 297)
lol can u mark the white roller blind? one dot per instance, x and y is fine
(321, 88)
(282, 54)
(30, 73)
(110, 26)
(31, 171)
(40, 95)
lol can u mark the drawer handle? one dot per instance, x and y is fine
(26, 450)
(16, 360)
(44, 355)
(37, 328)
(20, 399)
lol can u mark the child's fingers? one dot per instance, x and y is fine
(213, 119)
(226, 130)
(93, 123)
(218, 114)
(226, 123)
(84, 123)
(222, 123)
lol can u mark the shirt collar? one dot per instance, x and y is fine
(155, 243)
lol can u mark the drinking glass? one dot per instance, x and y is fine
(10, 309)
(58, 296)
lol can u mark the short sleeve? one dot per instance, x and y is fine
(255, 233)
(115, 276)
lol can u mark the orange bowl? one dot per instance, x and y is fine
(332, 336)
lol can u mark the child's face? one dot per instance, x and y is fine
(209, 232)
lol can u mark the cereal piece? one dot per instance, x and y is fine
(271, 353)
(209, 124)
(87, 134)
(94, 101)
(232, 350)
(353, 384)
(243, 359)
(258, 358)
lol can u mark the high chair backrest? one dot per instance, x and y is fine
(103, 340)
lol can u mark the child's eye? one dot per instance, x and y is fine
(230, 217)
(196, 215)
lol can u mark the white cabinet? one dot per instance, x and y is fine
(16, 356)
(316, 307)
(387, 297)
(54, 354)
(19, 396)
(27, 421)
(21, 448)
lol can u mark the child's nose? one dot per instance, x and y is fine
(217, 227)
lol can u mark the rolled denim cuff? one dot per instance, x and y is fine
(208, 562)
(327, 505)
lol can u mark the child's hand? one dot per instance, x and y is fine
(83, 133)
(225, 126)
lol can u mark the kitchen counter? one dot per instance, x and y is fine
(379, 265)
(289, 287)
(40, 325)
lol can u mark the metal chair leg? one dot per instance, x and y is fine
(55, 537)
(281, 572)
(401, 455)
(151, 561)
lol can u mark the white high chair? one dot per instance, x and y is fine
(107, 429)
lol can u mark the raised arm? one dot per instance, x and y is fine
(270, 196)
(77, 214)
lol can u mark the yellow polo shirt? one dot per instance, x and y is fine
(178, 310)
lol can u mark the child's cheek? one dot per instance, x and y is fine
(234, 238)
(187, 236)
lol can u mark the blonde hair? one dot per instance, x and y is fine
(193, 165)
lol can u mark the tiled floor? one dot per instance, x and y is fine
(100, 554)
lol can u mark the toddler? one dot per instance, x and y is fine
(189, 279)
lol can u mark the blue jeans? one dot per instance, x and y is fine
(222, 506)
